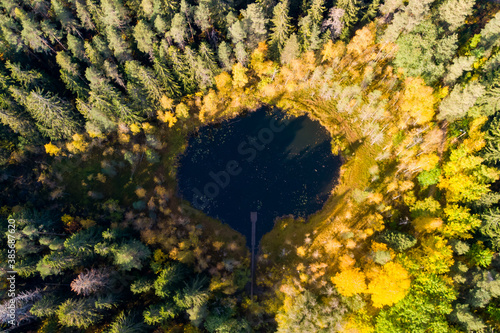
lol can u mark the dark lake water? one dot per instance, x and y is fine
(260, 162)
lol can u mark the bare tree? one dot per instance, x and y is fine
(89, 282)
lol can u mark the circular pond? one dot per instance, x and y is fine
(262, 162)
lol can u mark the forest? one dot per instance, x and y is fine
(98, 98)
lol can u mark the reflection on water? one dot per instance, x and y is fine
(261, 162)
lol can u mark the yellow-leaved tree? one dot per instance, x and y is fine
(240, 78)
(388, 284)
(350, 281)
(52, 149)
(418, 100)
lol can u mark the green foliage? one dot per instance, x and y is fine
(45, 307)
(422, 52)
(130, 255)
(291, 50)
(382, 257)
(127, 323)
(142, 285)
(479, 255)
(83, 242)
(491, 227)
(280, 27)
(397, 240)
(454, 12)
(167, 279)
(159, 314)
(79, 313)
(463, 316)
(309, 313)
(428, 178)
(459, 101)
(424, 309)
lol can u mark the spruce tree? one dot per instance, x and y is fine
(144, 37)
(280, 27)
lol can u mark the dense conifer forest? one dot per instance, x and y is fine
(98, 98)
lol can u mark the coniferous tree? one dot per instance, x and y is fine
(144, 37)
(280, 28)
(76, 46)
(54, 116)
(350, 18)
(166, 78)
(454, 12)
(178, 31)
(79, 313)
(291, 50)
(254, 23)
(224, 55)
(70, 74)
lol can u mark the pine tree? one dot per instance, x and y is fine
(178, 31)
(120, 48)
(454, 12)
(241, 53)
(130, 255)
(31, 34)
(76, 46)
(237, 32)
(459, 66)
(144, 37)
(166, 78)
(350, 17)
(280, 28)
(459, 101)
(114, 14)
(70, 74)
(79, 313)
(84, 15)
(202, 15)
(181, 69)
(254, 23)
(65, 17)
(127, 322)
(224, 55)
(291, 50)
(54, 116)
(147, 80)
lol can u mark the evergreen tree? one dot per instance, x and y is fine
(224, 56)
(31, 34)
(130, 255)
(166, 78)
(178, 31)
(120, 48)
(76, 46)
(84, 15)
(454, 12)
(241, 53)
(350, 18)
(254, 23)
(202, 15)
(423, 53)
(79, 313)
(144, 37)
(291, 50)
(70, 74)
(280, 27)
(127, 323)
(459, 101)
(54, 116)
(65, 17)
